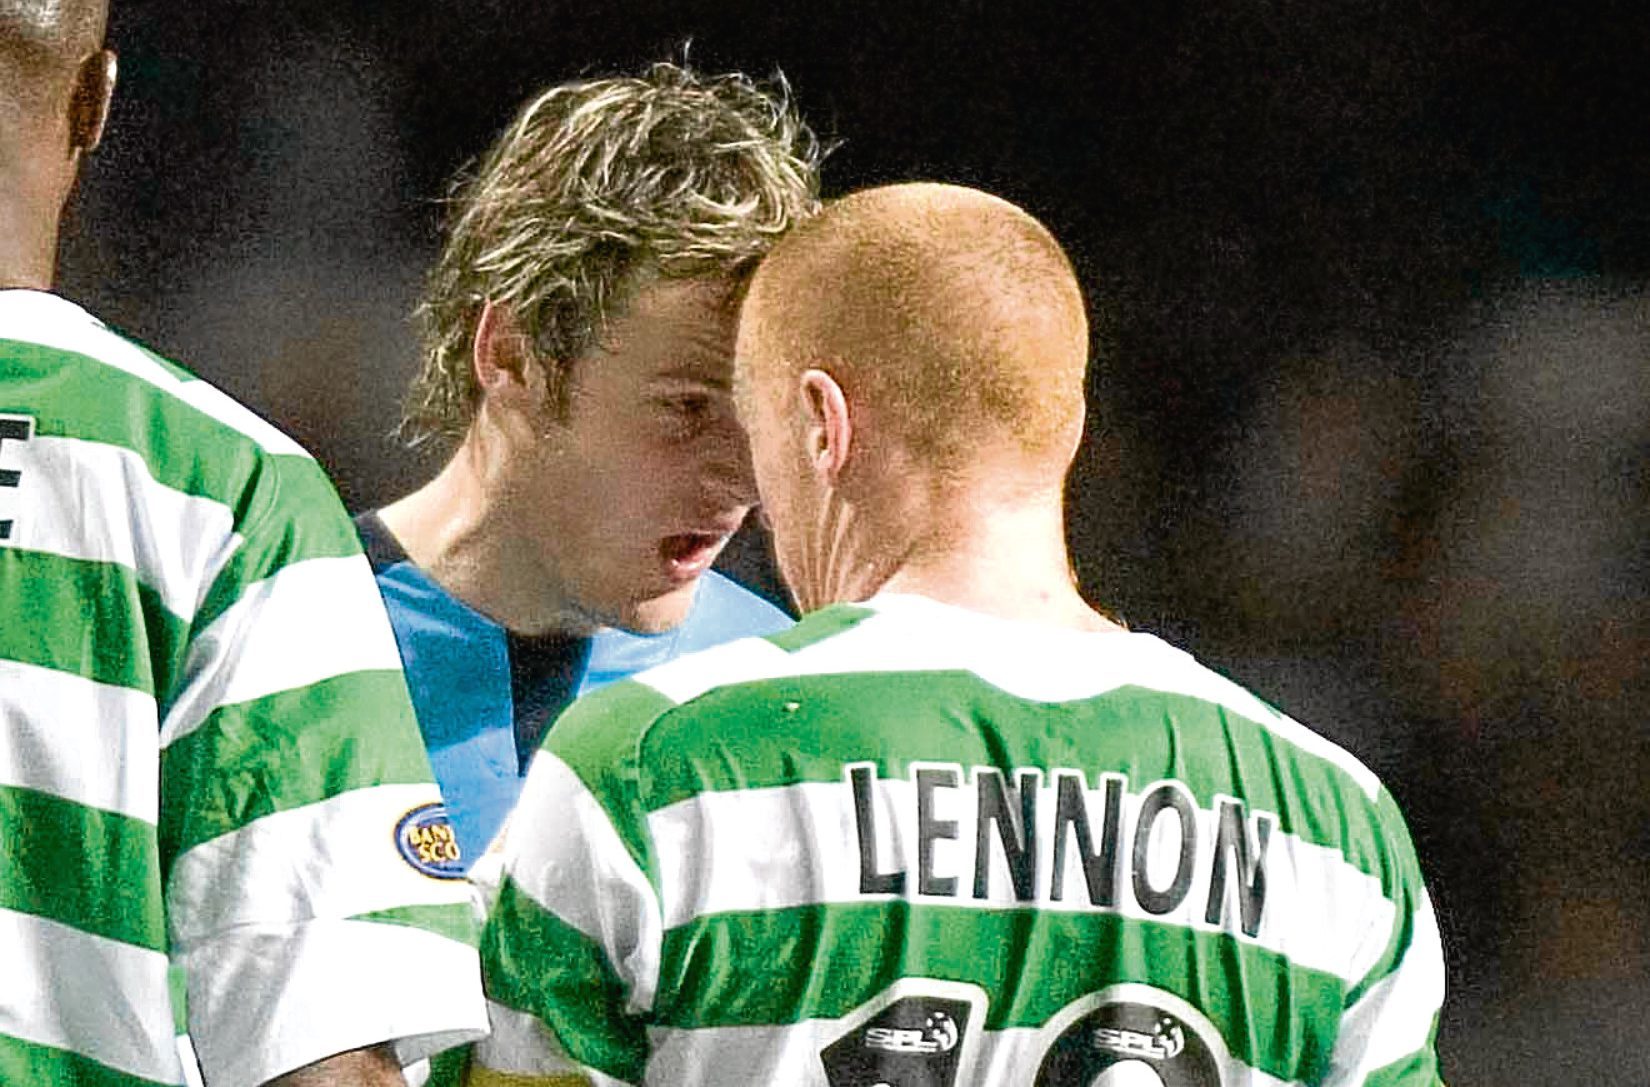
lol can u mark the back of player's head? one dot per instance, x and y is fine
(41, 42)
(55, 85)
(70, 25)
(669, 172)
(951, 319)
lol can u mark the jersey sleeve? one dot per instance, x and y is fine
(312, 904)
(571, 948)
(1389, 1026)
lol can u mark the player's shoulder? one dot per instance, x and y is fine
(1266, 757)
(1177, 671)
(173, 444)
(101, 366)
(610, 723)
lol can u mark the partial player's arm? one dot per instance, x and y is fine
(486, 1077)
(571, 948)
(1388, 1030)
(374, 1067)
(295, 795)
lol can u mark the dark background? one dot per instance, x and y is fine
(1371, 404)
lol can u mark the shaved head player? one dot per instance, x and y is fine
(208, 759)
(955, 827)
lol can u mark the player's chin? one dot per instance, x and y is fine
(657, 614)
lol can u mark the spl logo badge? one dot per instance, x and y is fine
(426, 840)
(919, 1032)
(1134, 1035)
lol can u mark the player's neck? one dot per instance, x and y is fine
(32, 194)
(1010, 562)
(28, 248)
(463, 539)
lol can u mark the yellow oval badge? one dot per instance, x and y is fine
(426, 840)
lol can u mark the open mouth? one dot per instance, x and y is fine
(689, 554)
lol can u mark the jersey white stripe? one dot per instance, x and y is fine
(521, 1045)
(96, 502)
(1394, 1018)
(335, 858)
(760, 849)
(73, 990)
(1034, 662)
(311, 621)
(54, 322)
(743, 661)
(113, 732)
(265, 999)
(564, 862)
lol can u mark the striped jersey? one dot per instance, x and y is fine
(208, 758)
(908, 844)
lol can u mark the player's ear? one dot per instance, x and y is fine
(829, 431)
(502, 357)
(94, 90)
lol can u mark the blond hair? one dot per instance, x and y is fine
(594, 184)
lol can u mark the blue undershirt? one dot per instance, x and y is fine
(485, 696)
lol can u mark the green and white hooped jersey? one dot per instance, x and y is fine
(904, 843)
(207, 751)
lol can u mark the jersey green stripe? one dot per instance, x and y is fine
(31, 1063)
(282, 752)
(597, 739)
(456, 920)
(559, 961)
(1414, 1070)
(177, 983)
(807, 728)
(57, 602)
(43, 838)
(447, 1068)
(826, 623)
(75, 396)
(313, 526)
(781, 966)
